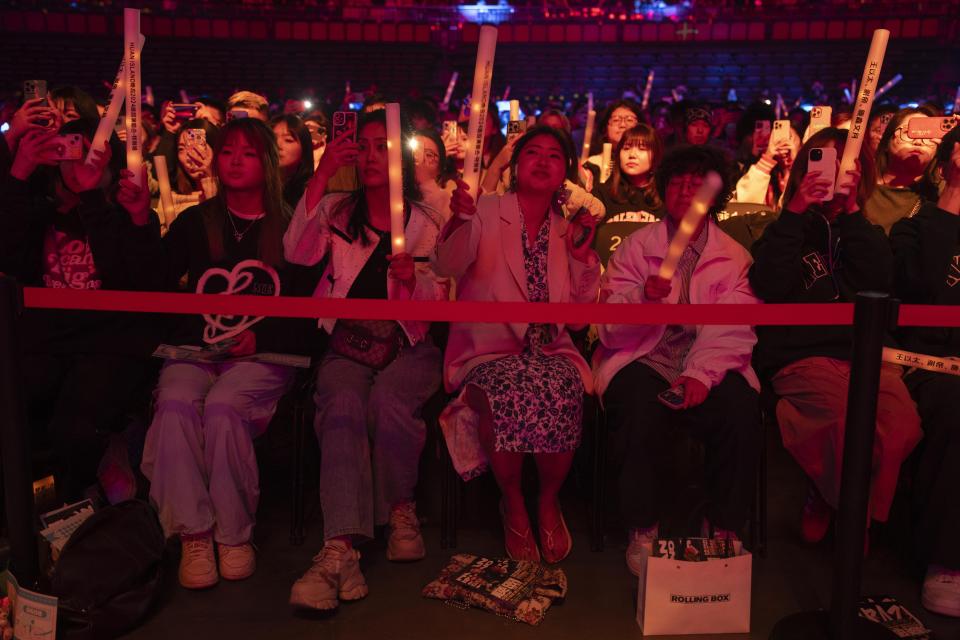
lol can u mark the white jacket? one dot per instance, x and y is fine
(720, 277)
(313, 234)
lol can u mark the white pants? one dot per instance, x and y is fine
(199, 453)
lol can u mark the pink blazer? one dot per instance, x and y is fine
(485, 255)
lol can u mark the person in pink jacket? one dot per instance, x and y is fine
(521, 385)
(655, 379)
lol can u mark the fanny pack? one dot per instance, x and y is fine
(372, 343)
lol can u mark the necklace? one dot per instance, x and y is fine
(237, 234)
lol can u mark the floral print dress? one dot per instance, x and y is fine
(536, 400)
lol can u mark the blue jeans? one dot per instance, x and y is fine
(371, 434)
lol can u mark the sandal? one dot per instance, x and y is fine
(548, 542)
(520, 545)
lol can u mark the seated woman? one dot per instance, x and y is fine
(708, 367)
(616, 119)
(904, 178)
(927, 271)
(199, 453)
(368, 398)
(296, 155)
(193, 180)
(82, 371)
(764, 181)
(525, 382)
(630, 195)
(822, 249)
(430, 159)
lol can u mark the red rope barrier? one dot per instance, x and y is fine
(497, 312)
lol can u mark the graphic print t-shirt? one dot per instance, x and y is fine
(68, 261)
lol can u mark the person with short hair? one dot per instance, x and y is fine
(248, 104)
(706, 369)
(926, 251)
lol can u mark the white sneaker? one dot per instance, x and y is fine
(941, 591)
(334, 576)
(198, 566)
(405, 543)
(638, 538)
(237, 562)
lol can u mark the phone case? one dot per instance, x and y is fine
(344, 121)
(195, 137)
(827, 165)
(925, 128)
(33, 89)
(820, 117)
(69, 147)
(450, 130)
(672, 397)
(781, 131)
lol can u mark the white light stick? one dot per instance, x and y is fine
(893, 81)
(131, 36)
(691, 220)
(921, 361)
(166, 194)
(863, 105)
(450, 87)
(956, 102)
(588, 135)
(395, 174)
(514, 110)
(605, 167)
(647, 90)
(480, 101)
(109, 120)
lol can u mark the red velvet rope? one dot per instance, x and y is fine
(495, 312)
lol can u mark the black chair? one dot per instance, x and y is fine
(745, 221)
(611, 235)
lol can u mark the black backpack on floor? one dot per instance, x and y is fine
(109, 572)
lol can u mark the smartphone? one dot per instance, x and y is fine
(344, 121)
(194, 138)
(672, 397)
(219, 350)
(781, 132)
(33, 89)
(450, 130)
(69, 147)
(820, 117)
(584, 235)
(516, 128)
(237, 113)
(926, 128)
(184, 112)
(824, 160)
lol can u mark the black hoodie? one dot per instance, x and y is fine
(926, 252)
(805, 258)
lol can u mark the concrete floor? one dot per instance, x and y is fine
(602, 595)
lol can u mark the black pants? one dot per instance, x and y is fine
(76, 401)
(728, 423)
(936, 485)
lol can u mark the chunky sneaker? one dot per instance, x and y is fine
(405, 543)
(237, 562)
(198, 566)
(815, 519)
(334, 576)
(638, 538)
(941, 591)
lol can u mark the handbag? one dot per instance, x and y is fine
(372, 343)
(518, 590)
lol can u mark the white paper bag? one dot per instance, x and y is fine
(678, 598)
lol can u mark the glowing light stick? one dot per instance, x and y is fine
(131, 38)
(514, 110)
(109, 120)
(395, 174)
(893, 81)
(691, 220)
(605, 167)
(480, 101)
(588, 135)
(647, 90)
(449, 94)
(166, 194)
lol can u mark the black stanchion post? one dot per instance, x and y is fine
(14, 443)
(874, 314)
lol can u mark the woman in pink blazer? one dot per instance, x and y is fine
(521, 384)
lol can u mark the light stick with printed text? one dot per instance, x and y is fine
(863, 104)
(395, 176)
(117, 95)
(131, 36)
(480, 101)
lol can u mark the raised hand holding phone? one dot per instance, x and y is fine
(583, 227)
(847, 187)
(37, 147)
(33, 115)
(168, 115)
(342, 151)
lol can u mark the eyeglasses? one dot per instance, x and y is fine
(904, 138)
(626, 121)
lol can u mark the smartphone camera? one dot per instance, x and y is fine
(339, 119)
(816, 155)
(816, 112)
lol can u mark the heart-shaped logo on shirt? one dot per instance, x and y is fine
(237, 280)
